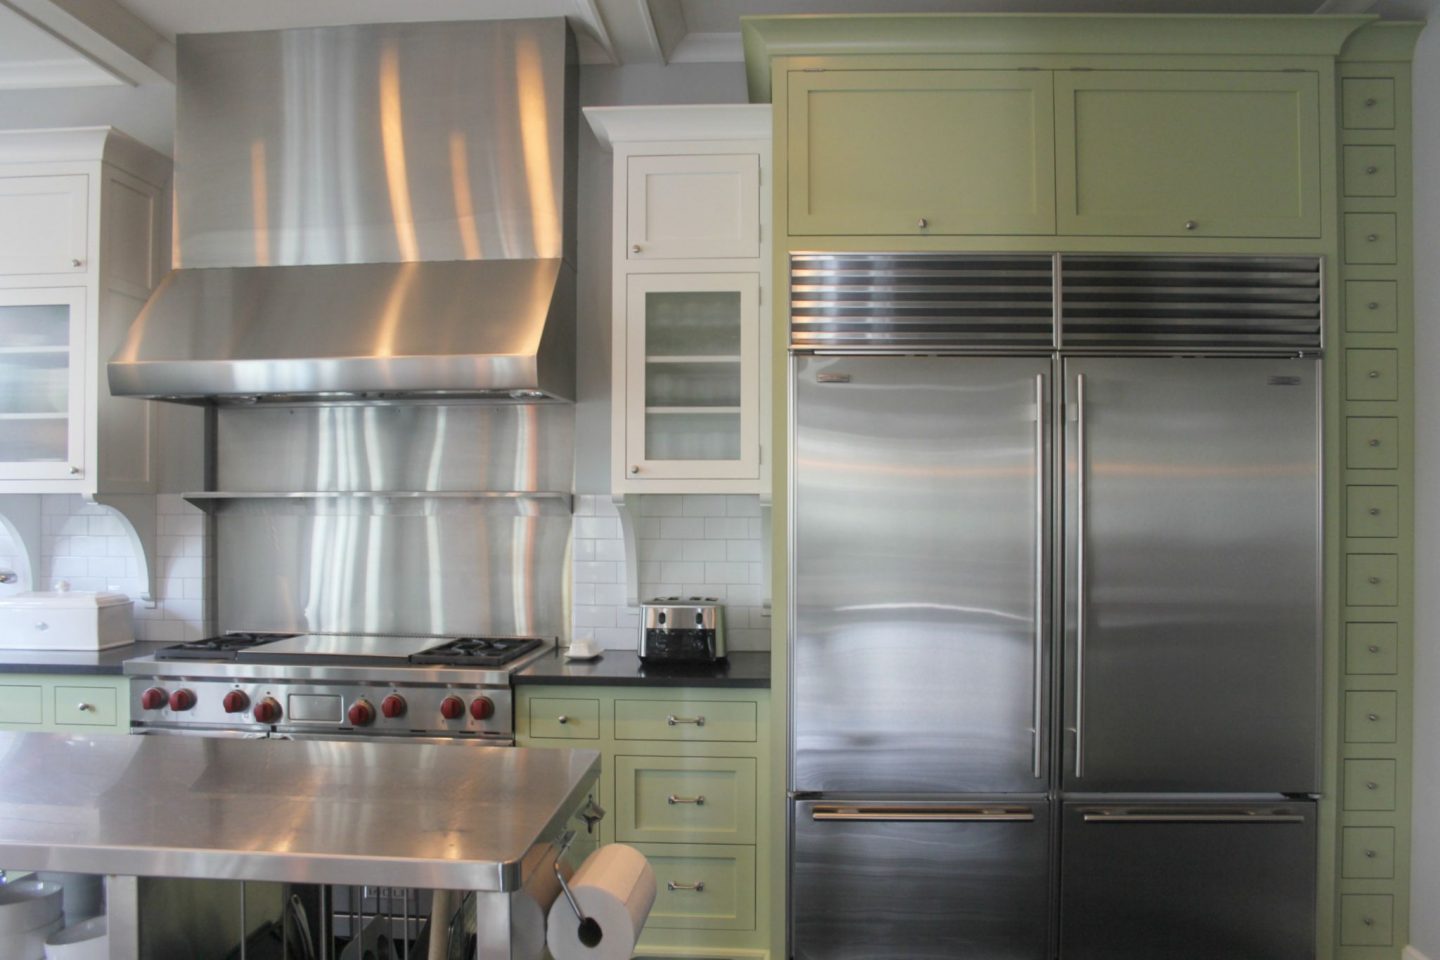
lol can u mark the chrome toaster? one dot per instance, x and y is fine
(682, 629)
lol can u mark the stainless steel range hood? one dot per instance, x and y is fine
(369, 212)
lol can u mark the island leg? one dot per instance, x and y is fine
(492, 926)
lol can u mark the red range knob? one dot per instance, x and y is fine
(154, 698)
(235, 702)
(267, 711)
(482, 708)
(361, 713)
(182, 700)
(451, 708)
(393, 706)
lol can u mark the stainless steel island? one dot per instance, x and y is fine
(317, 812)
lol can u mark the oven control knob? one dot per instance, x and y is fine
(482, 708)
(361, 713)
(182, 700)
(451, 708)
(393, 706)
(235, 702)
(154, 699)
(267, 711)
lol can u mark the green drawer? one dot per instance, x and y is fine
(1372, 579)
(85, 706)
(701, 720)
(1372, 443)
(565, 719)
(1369, 238)
(1367, 853)
(1370, 648)
(1370, 306)
(690, 799)
(702, 887)
(1366, 919)
(1370, 716)
(1369, 171)
(1372, 511)
(22, 703)
(1367, 103)
(1371, 374)
(1369, 785)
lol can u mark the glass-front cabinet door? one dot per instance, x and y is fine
(692, 384)
(42, 387)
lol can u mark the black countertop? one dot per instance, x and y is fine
(68, 661)
(622, 668)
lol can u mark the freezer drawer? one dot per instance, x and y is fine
(1192, 615)
(1187, 881)
(875, 880)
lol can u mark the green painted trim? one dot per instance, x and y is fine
(767, 38)
(1384, 40)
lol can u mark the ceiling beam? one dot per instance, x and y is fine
(102, 31)
(588, 15)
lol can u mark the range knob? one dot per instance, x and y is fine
(154, 699)
(361, 714)
(393, 706)
(482, 708)
(268, 711)
(182, 699)
(235, 702)
(451, 708)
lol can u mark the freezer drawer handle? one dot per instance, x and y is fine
(672, 720)
(1080, 585)
(1237, 817)
(931, 814)
(699, 801)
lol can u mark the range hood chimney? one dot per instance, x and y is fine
(368, 212)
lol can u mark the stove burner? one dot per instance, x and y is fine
(224, 647)
(477, 651)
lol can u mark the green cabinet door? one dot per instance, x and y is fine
(1188, 153)
(918, 152)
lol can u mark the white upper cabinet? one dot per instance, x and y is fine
(44, 224)
(690, 364)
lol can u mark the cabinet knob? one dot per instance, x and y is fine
(1373, 580)
(634, 468)
(562, 719)
(922, 223)
(1370, 854)
(1373, 648)
(42, 625)
(74, 471)
(1371, 237)
(1372, 170)
(1370, 101)
(634, 248)
(1373, 374)
(1371, 785)
(1372, 305)
(1374, 442)
(77, 263)
(82, 707)
(1372, 717)
(1374, 511)
(1191, 224)
(1368, 921)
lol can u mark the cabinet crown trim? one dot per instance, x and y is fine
(715, 121)
(1114, 34)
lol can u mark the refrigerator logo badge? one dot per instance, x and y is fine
(832, 378)
(1284, 381)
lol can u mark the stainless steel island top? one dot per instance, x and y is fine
(400, 814)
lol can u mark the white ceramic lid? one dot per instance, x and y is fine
(62, 597)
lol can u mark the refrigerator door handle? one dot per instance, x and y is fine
(1237, 816)
(1037, 706)
(1080, 466)
(937, 814)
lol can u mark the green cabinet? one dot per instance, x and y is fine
(1188, 153)
(686, 778)
(921, 152)
(64, 703)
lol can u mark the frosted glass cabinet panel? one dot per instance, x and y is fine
(42, 389)
(693, 391)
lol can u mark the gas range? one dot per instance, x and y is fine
(314, 686)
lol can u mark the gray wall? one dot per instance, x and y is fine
(1425, 870)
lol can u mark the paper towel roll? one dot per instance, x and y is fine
(615, 886)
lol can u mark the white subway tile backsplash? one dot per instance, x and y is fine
(685, 545)
(597, 528)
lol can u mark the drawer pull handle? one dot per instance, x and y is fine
(1373, 580)
(1374, 648)
(562, 719)
(672, 720)
(698, 886)
(699, 801)
(1373, 717)
(1371, 785)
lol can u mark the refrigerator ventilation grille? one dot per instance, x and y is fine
(919, 301)
(1207, 303)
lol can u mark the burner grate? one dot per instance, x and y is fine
(477, 651)
(223, 647)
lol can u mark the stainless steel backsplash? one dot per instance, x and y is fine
(438, 563)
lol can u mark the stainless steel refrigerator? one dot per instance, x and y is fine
(1056, 644)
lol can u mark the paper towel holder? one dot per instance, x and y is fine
(589, 933)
